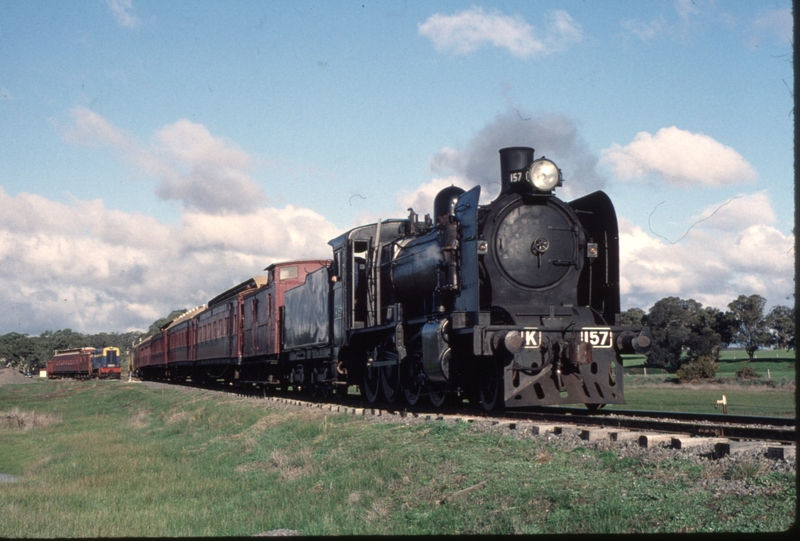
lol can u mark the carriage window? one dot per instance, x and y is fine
(288, 273)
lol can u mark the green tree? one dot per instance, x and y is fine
(17, 348)
(46, 344)
(704, 340)
(632, 316)
(701, 368)
(669, 321)
(749, 326)
(682, 330)
(781, 323)
(157, 324)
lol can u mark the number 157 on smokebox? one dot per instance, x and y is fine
(599, 337)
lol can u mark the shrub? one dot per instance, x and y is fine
(743, 470)
(746, 373)
(701, 368)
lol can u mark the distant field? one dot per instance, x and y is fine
(727, 355)
(773, 364)
(701, 398)
(771, 394)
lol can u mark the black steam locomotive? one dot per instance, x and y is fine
(510, 304)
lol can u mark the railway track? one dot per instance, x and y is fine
(728, 434)
(774, 429)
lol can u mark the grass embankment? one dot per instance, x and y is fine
(123, 459)
(771, 393)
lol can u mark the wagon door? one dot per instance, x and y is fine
(338, 297)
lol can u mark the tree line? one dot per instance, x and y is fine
(31, 353)
(685, 331)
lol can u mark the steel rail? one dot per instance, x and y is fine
(755, 428)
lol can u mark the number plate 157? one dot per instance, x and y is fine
(598, 337)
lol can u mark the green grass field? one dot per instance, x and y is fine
(771, 394)
(114, 459)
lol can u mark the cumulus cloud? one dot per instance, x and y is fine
(84, 266)
(680, 158)
(735, 251)
(121, 10)
(203, 172)
(466, 31)
(93, 269)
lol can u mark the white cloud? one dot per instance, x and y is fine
(679, 157)
(466, 31)
(203, 172)
(716, 261)
(94, 269)
(84, 266)
(121, 9)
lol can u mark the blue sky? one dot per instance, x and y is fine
(153, 154)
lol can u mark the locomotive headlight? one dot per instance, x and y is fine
(544, 175)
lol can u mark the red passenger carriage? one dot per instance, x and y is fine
(231, 338)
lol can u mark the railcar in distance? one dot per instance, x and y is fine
(71, 363)
(85, 363)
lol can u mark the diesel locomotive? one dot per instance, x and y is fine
(85, 363)
(510, 304)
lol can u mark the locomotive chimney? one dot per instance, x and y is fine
(513, 162)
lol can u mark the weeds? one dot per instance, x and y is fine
(26, 420)
(743, 470)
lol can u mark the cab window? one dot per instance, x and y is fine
(287, 273)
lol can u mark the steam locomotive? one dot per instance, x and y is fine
(510, 304)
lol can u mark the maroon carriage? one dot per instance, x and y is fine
(71, 363)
